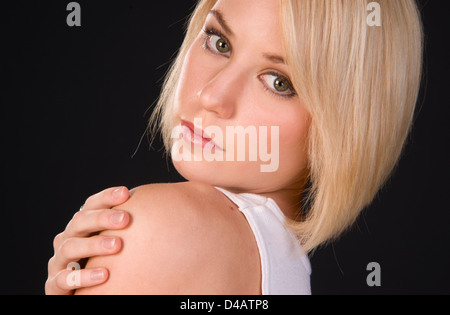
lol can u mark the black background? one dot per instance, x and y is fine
(74, 106)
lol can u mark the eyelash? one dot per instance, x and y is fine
(210, 31)
(279, 94)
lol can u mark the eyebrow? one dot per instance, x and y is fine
(274, 58)
(219, 17)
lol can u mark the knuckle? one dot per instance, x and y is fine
(51, 263)
(65, 250)
(77, 221)
(90, 200)
(61, 280)
(58, 240)
(51, 267)
(48, 286)
(87, 202)
(56, 284)
(77, 217)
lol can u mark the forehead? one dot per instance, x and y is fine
(253, 19)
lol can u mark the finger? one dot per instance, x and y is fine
(87, 222)
(66, 281)
(58, 240)
(74, 249)
(84, 223)
(107, 198)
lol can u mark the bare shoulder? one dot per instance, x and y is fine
(184, 238)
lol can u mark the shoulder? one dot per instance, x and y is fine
(184, 238)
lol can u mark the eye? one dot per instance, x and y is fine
(216, 42)
(278, 84)
(220, 44)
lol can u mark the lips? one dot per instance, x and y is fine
(197, 136)
(196, 131)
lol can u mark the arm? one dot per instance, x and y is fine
(181, 240)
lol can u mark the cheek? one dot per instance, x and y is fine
(294, 130)
(293, 138)
(290, 116)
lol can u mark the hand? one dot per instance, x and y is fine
(80, 241)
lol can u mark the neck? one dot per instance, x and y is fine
(289, 201)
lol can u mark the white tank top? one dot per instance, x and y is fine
(285, 268)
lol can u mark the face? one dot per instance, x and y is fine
(235, 101)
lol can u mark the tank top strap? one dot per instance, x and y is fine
(244, 200)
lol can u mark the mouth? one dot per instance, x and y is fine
(197, 136)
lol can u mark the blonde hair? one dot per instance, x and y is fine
(360, 84)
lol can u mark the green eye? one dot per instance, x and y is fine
(277, 84)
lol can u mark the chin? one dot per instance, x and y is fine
(201, 172)
(211, 173)
(241, 177)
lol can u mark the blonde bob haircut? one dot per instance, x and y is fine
(360, 84)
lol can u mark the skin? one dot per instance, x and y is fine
(172, 237)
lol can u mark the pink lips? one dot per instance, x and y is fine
(196, 136)
(196, 131)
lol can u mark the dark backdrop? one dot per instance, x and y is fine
(74, 108)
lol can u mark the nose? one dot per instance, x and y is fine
(221, 93)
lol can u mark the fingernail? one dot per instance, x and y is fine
(108, 243)
(97, 275)
(117, 217)
(117, 192)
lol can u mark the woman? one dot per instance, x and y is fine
(331, 94)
